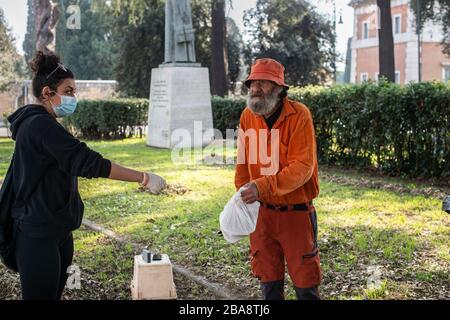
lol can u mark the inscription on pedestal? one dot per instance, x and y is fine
(160, 94)
(179, 98)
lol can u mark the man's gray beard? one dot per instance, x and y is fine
(265, 104)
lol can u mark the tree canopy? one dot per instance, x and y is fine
(292, 32)
(11, 67)
(124, 40)
(90, 51)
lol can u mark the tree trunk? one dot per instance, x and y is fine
(46, 19)
(386, 44)
(218, 42)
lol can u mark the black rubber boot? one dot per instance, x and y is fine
(273, 290)
(307, 293)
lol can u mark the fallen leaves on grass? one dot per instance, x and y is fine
(171, 189)
(434, 192)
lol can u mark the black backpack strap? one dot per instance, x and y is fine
(7, 230)
(6, 192)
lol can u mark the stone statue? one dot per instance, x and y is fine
(46, 18)
(180, 95)
(180, 36)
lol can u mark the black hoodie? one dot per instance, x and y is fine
(47, 162)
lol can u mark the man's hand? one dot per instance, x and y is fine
(250, 194)
(155, 183)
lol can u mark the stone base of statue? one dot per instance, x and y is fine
(180, 114)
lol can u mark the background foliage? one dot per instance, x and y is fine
(401, 130)
(108, 119)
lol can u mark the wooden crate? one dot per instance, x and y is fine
(153, 281)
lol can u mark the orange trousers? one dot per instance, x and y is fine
(286, 237)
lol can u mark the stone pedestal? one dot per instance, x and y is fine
(180, 114)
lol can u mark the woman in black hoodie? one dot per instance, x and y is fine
(47, 162)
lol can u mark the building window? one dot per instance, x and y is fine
(364, 76)
(365, 29)
(446, 74)
(397, 24)
(397, 77)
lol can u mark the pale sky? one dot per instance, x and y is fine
(16, 17)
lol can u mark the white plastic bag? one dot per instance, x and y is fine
(238, 219)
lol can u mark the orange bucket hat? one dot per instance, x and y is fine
(267, 69)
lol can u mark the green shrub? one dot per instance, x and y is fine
(401, 130)
(108, 119)
(226, 113)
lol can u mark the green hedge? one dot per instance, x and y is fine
(401, 130)
(226, 113)
(98, 119)
(108, 119)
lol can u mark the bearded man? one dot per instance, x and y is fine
(286, 230)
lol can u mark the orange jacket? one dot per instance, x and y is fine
(296, 180)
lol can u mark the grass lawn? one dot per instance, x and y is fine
(362, 231)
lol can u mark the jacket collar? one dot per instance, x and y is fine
(288, 110)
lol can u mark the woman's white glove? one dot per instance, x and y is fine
(155, 183)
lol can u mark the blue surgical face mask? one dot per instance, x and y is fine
(67, 107)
